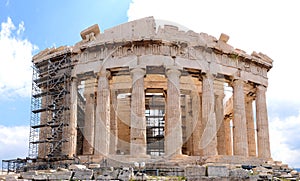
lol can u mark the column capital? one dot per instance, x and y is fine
(137, 72)
(104, 73)
(260, 87)
(236, 82)
(208, 75)
(173, 72)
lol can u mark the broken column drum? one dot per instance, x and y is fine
(144, 90)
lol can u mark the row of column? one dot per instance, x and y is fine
(207, 140)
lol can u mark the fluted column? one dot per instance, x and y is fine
(250, 127)
(113, 123)
(89, 118)
(197, 121)
(240, 142)
(138, 143)
(221, 144)
(263, 142)
(173, 130)
(102, 124)
(228, 140)
(72, 131)
(208, 140)
(189, 125)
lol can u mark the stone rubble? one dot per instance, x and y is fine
(219, 172)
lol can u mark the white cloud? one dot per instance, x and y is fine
(15, 61)
(284, 138)
(13, 142)
(268, 26)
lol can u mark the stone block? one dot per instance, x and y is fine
(28, 175)
(77, 167)
(217, 171)
(94, 165)
(9, 177)
(65, 175)
(239, 173)
(195, 170)
(40, 177)
(83, 175)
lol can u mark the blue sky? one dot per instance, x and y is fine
(269, 26)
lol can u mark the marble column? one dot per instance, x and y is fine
(228, 136)
(89, 118)
(208, 142)
(102, 124)
(263, 142)
(250, 127)
(240, 142)
(189, 125)
(113, 123)
(72, 128)
(197, 121)
(221, 144)
(138, 143)
(173, 125)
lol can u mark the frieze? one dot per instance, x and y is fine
(190, 53)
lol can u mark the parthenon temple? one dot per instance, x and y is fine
(148, 89)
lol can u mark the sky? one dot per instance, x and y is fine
(269, 26)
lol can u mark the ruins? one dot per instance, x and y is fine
(144, 91)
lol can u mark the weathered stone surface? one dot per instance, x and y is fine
(61, 175)
(94, 165)
(83, 175)
(239, 173)
(77, 167)
(217, 171)
(194, 171)
(28, 175)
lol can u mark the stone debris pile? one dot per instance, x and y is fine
(271, 171)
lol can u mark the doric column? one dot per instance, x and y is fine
(219, 96)
(71, 145)
(250, 127)
(113, 123)
(208, 140)
(173, 130)
(102, 124)
(263, 142)
(89, 117)
(197, 118)
(189, 125)
(228, 140)
(138, 143)
(240, 143)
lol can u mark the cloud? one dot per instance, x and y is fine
(15, 61)
(284, 138)
(13, 142)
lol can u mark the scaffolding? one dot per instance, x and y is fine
(50, 104)
(14, 165)
(155, 120)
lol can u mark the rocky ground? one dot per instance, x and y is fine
(218, 172)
